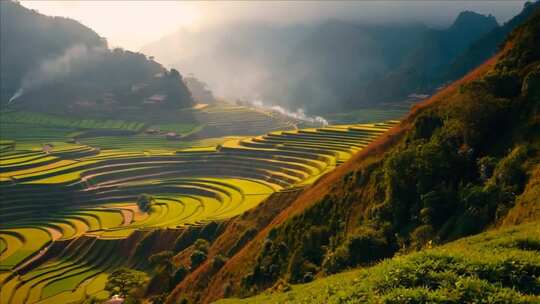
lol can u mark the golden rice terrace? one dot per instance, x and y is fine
(88, 189)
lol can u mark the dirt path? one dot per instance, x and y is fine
(128, 216)
(55, 234)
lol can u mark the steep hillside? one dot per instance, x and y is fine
(54, 64)
(463, 162)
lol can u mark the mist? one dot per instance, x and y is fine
(321, 57)
(299, 114)
(315, 55)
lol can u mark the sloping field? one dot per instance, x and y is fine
(76, 190)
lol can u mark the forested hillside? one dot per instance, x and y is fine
(55, 63)
(465, 161)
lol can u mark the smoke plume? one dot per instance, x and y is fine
(299, 114)
(77, 57)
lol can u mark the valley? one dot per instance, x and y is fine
(217, 152)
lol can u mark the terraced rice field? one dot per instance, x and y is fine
(87, 191)
(237, 120)
(39, 119)
(381, 112)
(202, 127)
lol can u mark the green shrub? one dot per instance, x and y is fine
(413, 296)
(218, 261)
(527, 244)
(365, 247)
(531, 84)
(123, 281)
(144, 202)
(422, 236)
(158, 299)
(486, 166)
(425, 125)
(162, 260)
(503, 84)
(178, 275)
(246, 236)
(509, 171)
(197, 257)
(472, 290)
(201, 245)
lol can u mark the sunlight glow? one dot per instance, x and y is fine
(128, 24)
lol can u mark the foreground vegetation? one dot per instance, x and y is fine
(500, 266)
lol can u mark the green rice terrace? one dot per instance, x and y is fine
(70, 187)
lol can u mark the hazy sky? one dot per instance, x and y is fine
(132, 24)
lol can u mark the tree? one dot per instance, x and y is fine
(197, 257)
(144, 202)
(123, 281)
(158, 299)
(162, 261)
(161, 280)
(218, 261)
(179, 275)
(202, 245)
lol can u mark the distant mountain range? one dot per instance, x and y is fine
(335, 65)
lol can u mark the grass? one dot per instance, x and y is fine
(495, 267)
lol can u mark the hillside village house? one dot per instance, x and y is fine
(47, 148)
(156, 98)
(137, 87)
(172, 136)
(116, 299)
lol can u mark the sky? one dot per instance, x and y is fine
(133, 24)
